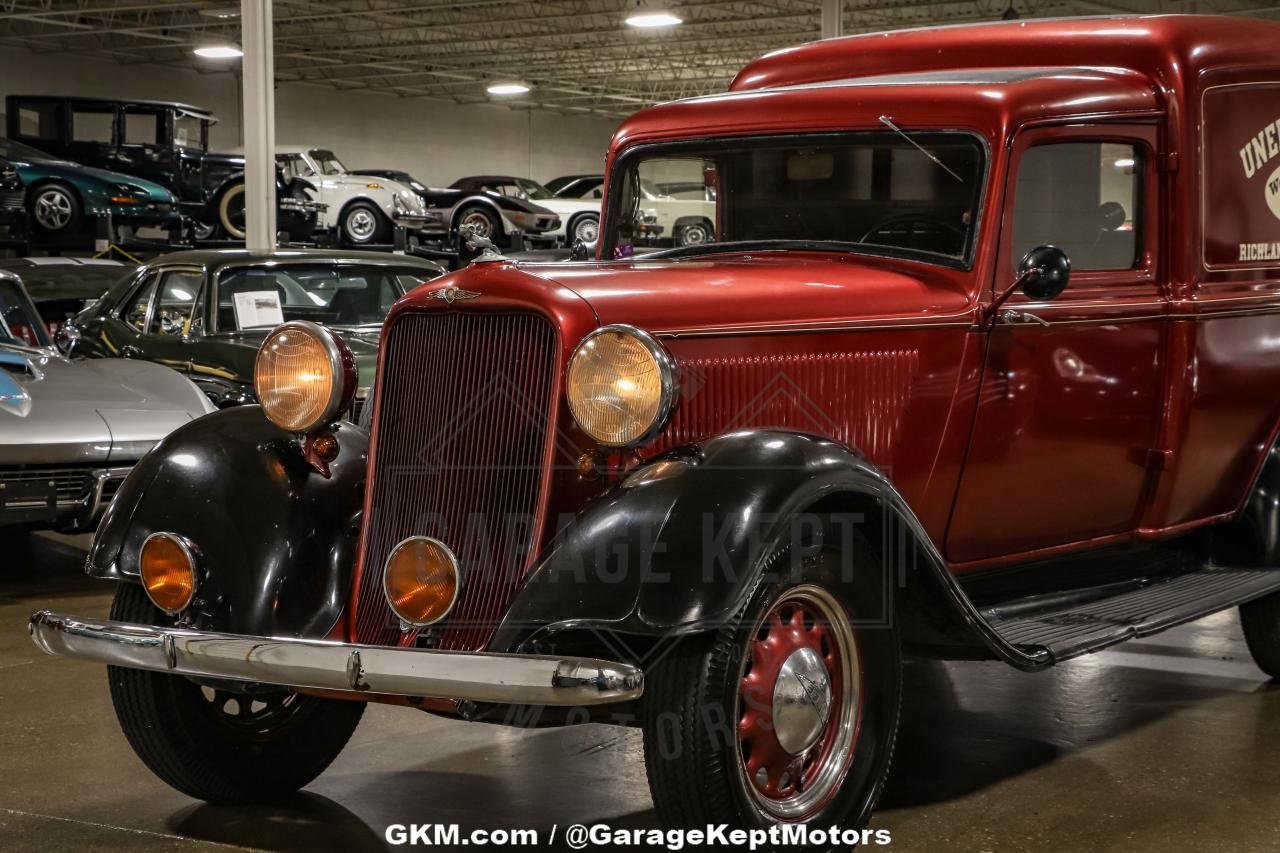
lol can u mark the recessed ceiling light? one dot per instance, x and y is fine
(219, 51)
(507, 89)
(648, 20)
(222, 12)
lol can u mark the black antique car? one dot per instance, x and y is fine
(206, 312)
(163, 142)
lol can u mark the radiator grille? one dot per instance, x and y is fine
(72, 485)
(461, 434)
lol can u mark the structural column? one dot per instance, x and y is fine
(832, 18)
(259, 125)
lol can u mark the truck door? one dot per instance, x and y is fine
(1064, 435)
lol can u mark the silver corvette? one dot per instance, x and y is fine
(70, 431)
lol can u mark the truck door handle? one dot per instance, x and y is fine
(1013, 318)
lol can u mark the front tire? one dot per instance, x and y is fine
(585, 228)
(1260, 620)
(735, 730)
(362, 223)
(694, 233)
(55, 210)
(216, 744)
(231, 215)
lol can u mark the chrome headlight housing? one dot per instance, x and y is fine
(304, 376)
(621, 386)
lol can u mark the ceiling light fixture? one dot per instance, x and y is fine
(222, 13)
(646, 17)
(219, 51)
(508, 88)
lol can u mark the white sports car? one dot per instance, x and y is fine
(579, 217)
(363, 208)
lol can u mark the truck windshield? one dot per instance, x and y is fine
(327, 162)
(871, 193)
(345, 296)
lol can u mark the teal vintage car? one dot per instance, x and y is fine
(61, 198)
(206, 312)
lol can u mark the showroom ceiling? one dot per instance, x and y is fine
(577, 55)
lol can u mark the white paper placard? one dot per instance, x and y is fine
(257, 308)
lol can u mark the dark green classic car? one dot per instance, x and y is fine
(205, 313)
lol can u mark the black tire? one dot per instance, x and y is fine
(581, 222)
(193, 743)
(231, 213)
(1260, 620)
(695, 753)
(362, 223)
(55, 210)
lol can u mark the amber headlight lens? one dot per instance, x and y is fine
(421, 580)
(621, 385)
(168, 567)
(304, 376)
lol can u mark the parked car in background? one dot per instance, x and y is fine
(579, 219)
(484, 214)
(570, 186)
(362, 209)
(679, 213)
(164, 142)
(61, 286)
(60, 199)
(206, 312)
(71, 431)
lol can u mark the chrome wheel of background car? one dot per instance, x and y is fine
(477, 222)
(799, 699)
(694, 234)
(231, 212)
(203, 230)
(53, 208)
(360, 223)
(586, 229)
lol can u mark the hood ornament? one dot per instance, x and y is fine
(453, 293)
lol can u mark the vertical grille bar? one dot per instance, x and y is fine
(463, 424)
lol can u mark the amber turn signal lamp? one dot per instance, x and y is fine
(168, 567)
(421, 581)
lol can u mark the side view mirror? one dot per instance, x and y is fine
(67, 338)
(582, 251)
(1044, 272)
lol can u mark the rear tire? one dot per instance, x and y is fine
(231, 212)
(714, 749)
(217, 745)
(584, 227)
(1260, 620)
(362, 223)
(55, 210)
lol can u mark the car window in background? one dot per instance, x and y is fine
(532, 189)
(177, 308)
(18, 324)
(38, 121)
(92, 126)
(327, 162)
(135, 308)
(141, 128)
(353, 295)
(187, 131)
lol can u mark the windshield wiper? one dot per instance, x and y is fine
(749, 246)
(888, 122)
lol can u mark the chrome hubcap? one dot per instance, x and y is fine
(361, 224)
(801, 700)
(586, 230)
(53, 209)
(477, 224)
(694, 235)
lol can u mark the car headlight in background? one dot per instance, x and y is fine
(621, 385)
(304, 376)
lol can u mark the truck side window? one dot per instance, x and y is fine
(92, 126)
(177, 311)
(1082, 197)
(141, 128)
(135, 307)
(39, 121)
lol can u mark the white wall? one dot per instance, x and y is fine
(436, 142)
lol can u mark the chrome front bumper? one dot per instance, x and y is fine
(325, 665)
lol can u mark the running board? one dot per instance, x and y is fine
(1092, 622)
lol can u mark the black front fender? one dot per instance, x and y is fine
(678, 547)
(276, 538)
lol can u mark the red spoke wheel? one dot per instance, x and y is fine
(798, 703)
